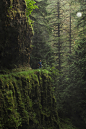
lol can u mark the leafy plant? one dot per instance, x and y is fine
(30, 4)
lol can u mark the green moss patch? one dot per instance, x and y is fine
(27, 101)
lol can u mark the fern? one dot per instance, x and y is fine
(30, 5)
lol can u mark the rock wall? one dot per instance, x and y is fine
(27, 101)
(15, 34)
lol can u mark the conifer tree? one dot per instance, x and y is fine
(73, 95)
(41, 50)
(55, 37)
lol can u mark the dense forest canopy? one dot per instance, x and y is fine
(60, 41)
(53, 31)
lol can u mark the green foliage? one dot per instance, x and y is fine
(72, 90)
(27, 100)
(30, 6)
(41, 50)
(66, 124)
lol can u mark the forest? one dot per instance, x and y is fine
(60, 42)
(54, 96)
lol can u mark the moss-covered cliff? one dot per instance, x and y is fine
(15, 34)
(27, 101)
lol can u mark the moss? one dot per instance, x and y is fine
(27, 101)
(14, 42)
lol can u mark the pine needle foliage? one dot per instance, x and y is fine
(72, 96)
(41, 49)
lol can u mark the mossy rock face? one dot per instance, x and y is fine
(15, 36)
(27, 101)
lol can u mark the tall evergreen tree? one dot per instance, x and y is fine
(41, 50)
(55, 38)
(72, 97)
